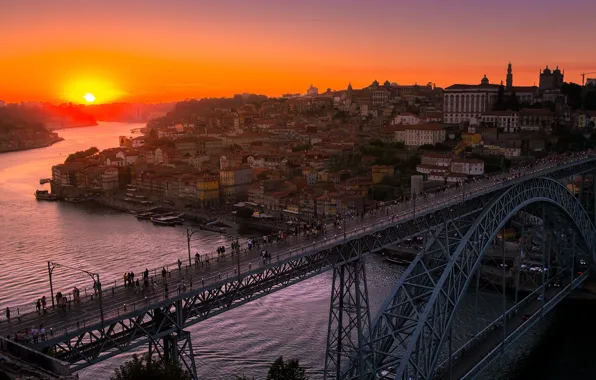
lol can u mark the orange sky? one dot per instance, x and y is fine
(162, 51)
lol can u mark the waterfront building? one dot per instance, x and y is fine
(208, 190)
(110, 179)
(235, 182)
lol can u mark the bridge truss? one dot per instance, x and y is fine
(414, 324)
(404, 339)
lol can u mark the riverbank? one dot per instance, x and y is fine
(72, 125)
(33, 145)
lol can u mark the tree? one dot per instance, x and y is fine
(286, 370)
(148, 368)
(82, 154)
(573, 93)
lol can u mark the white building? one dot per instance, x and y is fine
(109, 179)
(467, 166)
(464, 101)
(407, 119)
(505, 120)
(422, 134)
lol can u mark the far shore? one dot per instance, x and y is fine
(59, 127)
(45, 145)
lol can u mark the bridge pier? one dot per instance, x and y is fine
(349, 324)
(176, 348)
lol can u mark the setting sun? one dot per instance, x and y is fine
(94, 90)
(89, 97)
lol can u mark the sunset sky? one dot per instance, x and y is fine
(152, 51)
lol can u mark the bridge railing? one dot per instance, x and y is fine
(481, 335)
(532, 319)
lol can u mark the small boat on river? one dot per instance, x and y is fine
(145, 215)
(166, 220)
(44, 195)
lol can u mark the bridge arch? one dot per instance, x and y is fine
(411, 350)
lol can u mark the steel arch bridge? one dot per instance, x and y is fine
(456, 233)
(406, 338)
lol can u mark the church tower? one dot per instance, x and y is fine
(509, 85)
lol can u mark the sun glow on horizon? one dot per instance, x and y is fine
(95, 91)
(89, 97)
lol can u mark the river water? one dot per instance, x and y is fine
(291, 322)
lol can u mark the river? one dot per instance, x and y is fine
(291, 322)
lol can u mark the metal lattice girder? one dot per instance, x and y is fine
(92, 343)
(139, 327)
(408, 334)
(349, 321)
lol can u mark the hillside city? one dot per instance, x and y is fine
(324, 153)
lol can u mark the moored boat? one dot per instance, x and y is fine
(145, 215)
(167, 221)
(44, 195)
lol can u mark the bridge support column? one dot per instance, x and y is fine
(176, 348)
(349, 324)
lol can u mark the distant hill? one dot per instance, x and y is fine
(23, 127)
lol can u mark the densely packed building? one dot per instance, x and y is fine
(326, 152)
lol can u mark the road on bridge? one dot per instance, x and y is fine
(473, 355)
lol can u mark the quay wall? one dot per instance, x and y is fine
(35, 358)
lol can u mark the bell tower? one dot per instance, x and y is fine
(509, 85)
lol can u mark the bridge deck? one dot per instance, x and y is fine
(120, 300)
(472, 356)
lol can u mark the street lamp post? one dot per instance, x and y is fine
(94, 277)
(51, 267)
(189, 234)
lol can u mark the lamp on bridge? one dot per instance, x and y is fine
(94, 277)
(189, 234)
